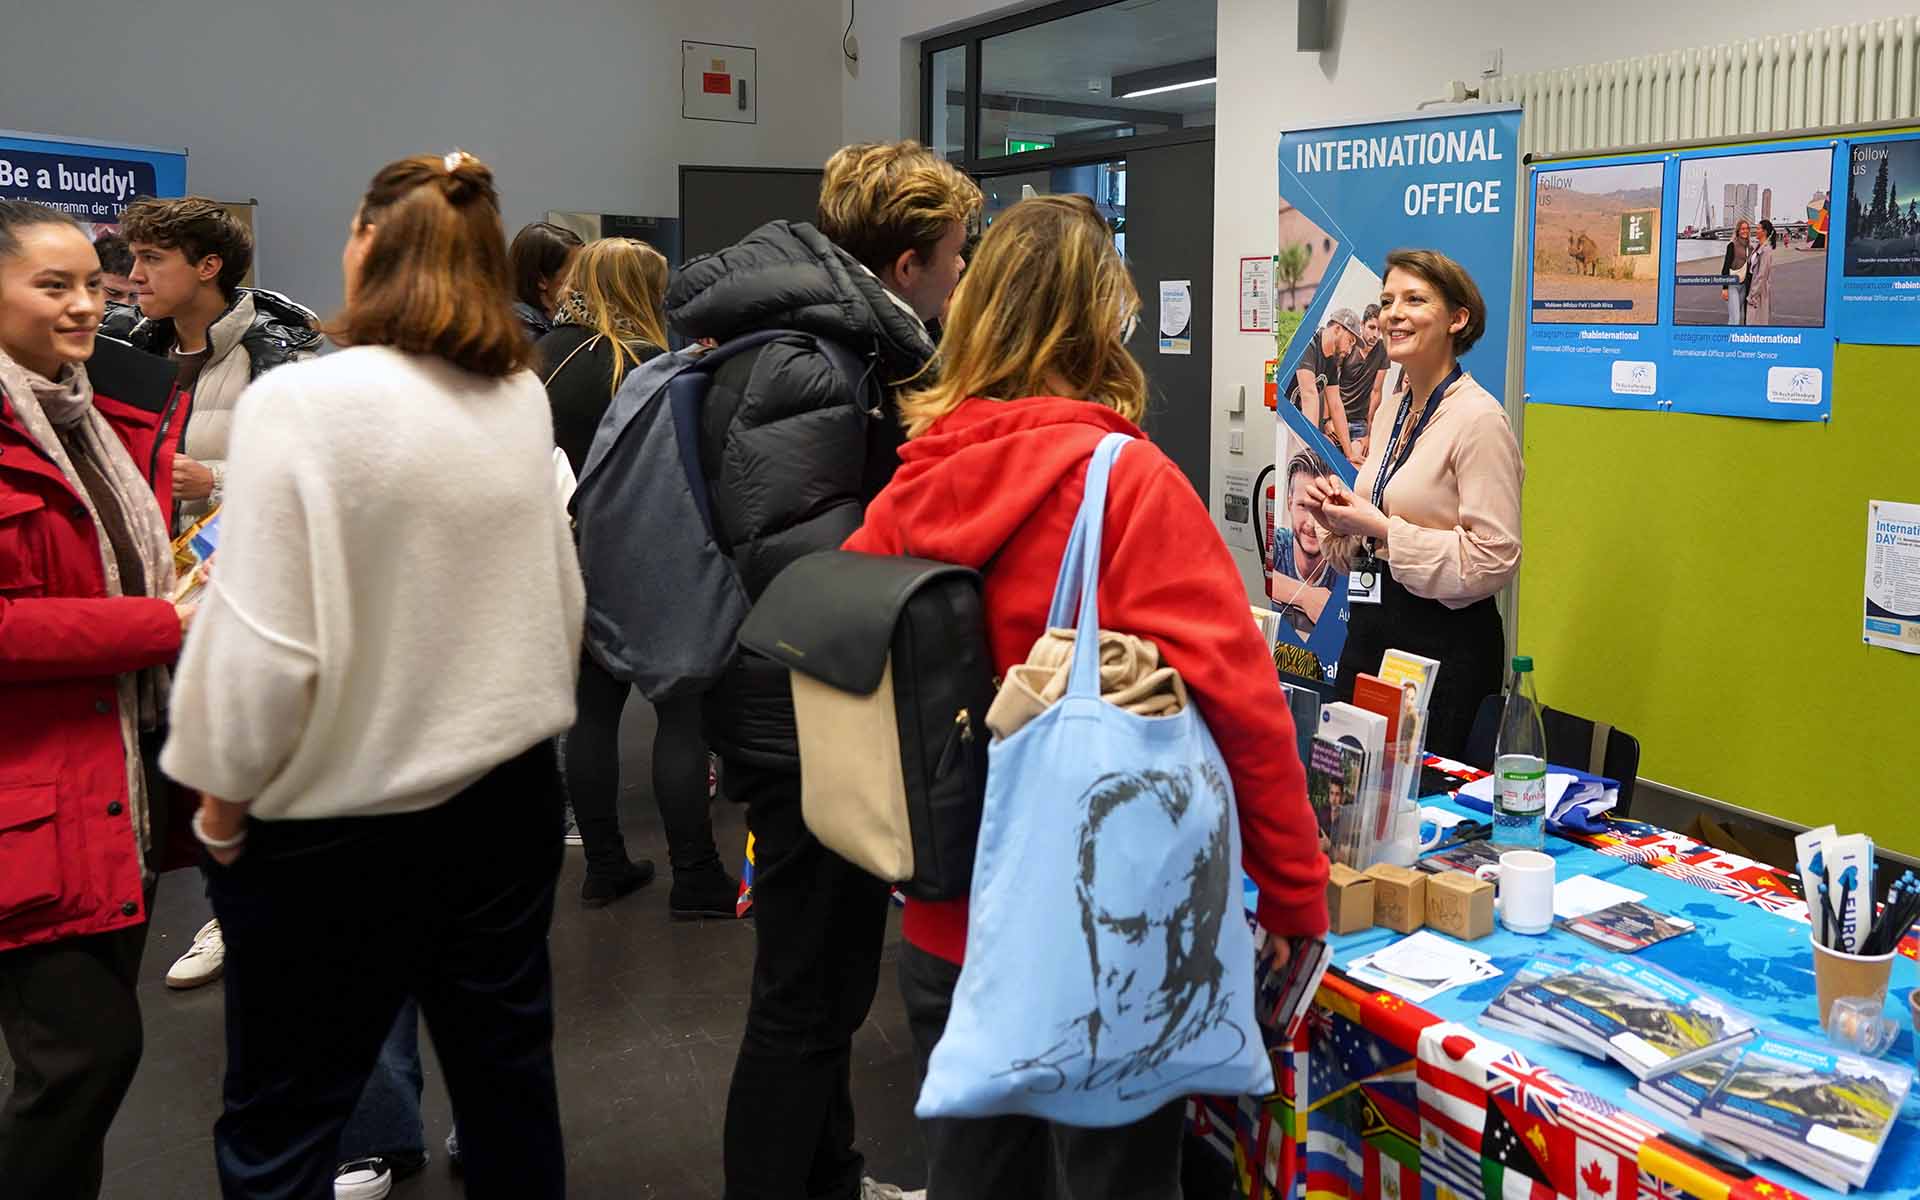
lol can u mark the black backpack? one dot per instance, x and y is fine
(892, 676)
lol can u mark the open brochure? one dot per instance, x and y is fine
(193, 557)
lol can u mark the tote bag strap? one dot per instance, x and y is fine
(1078, 585)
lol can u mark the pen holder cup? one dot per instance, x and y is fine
(1837, 974)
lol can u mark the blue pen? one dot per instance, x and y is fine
(1826, 918)
(1848, 878)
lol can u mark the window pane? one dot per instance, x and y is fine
(950, 102)
(1120, 71)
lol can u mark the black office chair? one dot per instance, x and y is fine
(1572, 741)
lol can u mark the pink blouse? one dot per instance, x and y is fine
(1453, 508)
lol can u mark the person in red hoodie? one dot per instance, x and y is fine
(86, 617)
(1033, 372)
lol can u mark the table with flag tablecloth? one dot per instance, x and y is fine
(1382, 1099)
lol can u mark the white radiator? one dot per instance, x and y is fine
(1862, 74)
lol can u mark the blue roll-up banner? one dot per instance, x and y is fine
(1877, 233)
(1350, 195)
(92, 181)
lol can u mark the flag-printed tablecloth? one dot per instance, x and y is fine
(1382, 1099)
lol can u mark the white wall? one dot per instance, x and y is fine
(1388, 58)
(575, 103)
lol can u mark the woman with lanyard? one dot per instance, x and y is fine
(1435, 512)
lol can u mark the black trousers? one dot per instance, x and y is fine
(331, 924)
(72, 1025)
(994, 1157)
(820, 923)
(592, 755)
(1468, 642)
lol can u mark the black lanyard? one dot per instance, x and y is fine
(1389, 463)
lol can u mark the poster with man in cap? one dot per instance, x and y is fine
(1338, 381)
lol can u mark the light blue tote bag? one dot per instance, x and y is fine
(1109, 966)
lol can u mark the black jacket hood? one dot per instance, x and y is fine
(787, 275)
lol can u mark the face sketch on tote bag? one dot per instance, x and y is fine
(1157, 985)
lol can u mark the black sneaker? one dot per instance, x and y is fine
(704, 894)
(371, 1178)
(601, 888)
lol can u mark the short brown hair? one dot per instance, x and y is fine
(435, 280)
(1047, 297)
(880, 200)
(1455, 286)
(539, 252)
(196, 227)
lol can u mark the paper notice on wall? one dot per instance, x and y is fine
(1176, 316)
(1893, 576)
(1256, 295)
(1236, 509)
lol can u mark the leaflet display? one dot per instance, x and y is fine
(1697, 281)
(1878, 232)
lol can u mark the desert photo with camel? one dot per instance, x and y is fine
(1596, 244)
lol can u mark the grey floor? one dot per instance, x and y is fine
(649, 1017)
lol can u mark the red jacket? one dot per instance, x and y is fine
(69, 859)
(996, 485)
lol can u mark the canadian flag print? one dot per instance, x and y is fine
(1602, 1174)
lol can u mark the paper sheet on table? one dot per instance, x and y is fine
(1421, 966)
(1583, 894)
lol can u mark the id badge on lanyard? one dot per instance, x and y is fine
(1365, 584)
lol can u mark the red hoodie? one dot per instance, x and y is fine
(995, 485)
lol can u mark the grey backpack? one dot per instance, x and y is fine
(664, 600)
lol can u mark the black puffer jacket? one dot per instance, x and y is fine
(791, 454)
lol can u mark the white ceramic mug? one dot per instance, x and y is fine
(1524, 899)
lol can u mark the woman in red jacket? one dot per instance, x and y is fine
(1033, 372)
(85, 572)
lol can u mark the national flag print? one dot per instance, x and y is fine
(1697, 876)
(1533, 1089)
(1504, 1183)
(1652, 1187)
(1447, 1164)
(1388, 1179)
(1601, 1174)
(1605, 1123)
(1528, 1145)
(1452, 1088)
(1764, 897)
(1335, 1167)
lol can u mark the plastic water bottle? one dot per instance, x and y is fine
(1520, 767)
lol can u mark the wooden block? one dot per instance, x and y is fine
(1399, 897)
(1460, 904)
(1349, 900)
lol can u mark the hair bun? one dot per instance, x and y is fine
(465, 178)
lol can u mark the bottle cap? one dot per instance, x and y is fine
(1522, 662)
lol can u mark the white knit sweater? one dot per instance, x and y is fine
(395, 607)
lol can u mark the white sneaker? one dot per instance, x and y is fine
(203, 962)
(873, 1189)
(362, 1179)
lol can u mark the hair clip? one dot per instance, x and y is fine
(453, 160)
